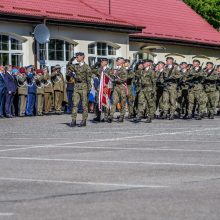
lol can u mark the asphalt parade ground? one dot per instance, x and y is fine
(167, 170)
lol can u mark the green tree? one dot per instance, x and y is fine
(208, 9)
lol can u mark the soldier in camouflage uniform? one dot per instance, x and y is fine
(210, 88)
(197, 96)
(170, 89)
(182, 91)
(218, 89)
(130, 96)
(147, 93)
(82, 74)
(120, 92)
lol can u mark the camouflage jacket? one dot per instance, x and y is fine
(210, 81)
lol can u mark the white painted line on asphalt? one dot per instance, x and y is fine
(82, 183)
(109, 161)
(6, 214)
(113, 139)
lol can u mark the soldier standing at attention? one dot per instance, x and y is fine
(120, 89)
(58, 88)
(195, 79)
(22, 92)
(48, 91)
(130, 96)
(210, 89)
(170, 88)
(40, 91)
(147, 93)
(218, 89)
(82, 75)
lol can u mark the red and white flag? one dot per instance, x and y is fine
(104, 91)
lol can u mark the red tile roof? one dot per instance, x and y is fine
(163, 19)
(77, 10)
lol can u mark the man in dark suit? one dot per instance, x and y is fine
(2, 92)
(11, 87)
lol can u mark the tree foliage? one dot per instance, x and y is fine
(208, 9)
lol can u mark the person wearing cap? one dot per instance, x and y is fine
(147, 94)
(58, 88)
(48, 91)
(170, 88)
(2, 91)
(32, 88)
(120, 90)
(40, 92)
(11, 88)
(97, 71)
(197, 95)
(130, 83)
(218, 89)
(210, 88)
(22, 91)
(159, 86)
(82, 75)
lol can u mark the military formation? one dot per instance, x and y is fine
(146, 90)
(163, 90)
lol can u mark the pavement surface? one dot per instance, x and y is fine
(167, 170)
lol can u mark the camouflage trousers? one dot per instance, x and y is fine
(119, 95)
(211, 102)
(130, 100)
(182, 101)
(146, 100)
(197, 97)
(80, 94)
(169, 99)
(159, 95)
(217, 99)
(58, 98)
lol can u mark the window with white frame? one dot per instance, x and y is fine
(10, 51)
(55, 50)
(100, 50)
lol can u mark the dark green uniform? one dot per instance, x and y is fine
(82, 76)
(210, 90)
(147, 93)
(119, 94)
(40, 94)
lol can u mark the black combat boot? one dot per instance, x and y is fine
(211, 116)
(72, 123)
(97, 119)
(164, 116)
(149, 120)
(188, 116)
(121, 119)
(109, 119)
(82, 123)
(198, 117)
(137, 119)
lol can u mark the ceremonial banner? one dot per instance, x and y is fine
(104, 91)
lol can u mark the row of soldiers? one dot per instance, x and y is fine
(168, 89)
(34, 91)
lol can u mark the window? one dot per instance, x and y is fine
(102, 50)
(55, 50)
(10, 51)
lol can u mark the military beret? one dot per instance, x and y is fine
(79, 54)
(210, 63)
(104, 59)
(160, 62)
(127, 61)
(119, 58)
(148, 61)
(39, 71)
(196, 61)
(22, 70)
(183, 63)
(169, 58)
